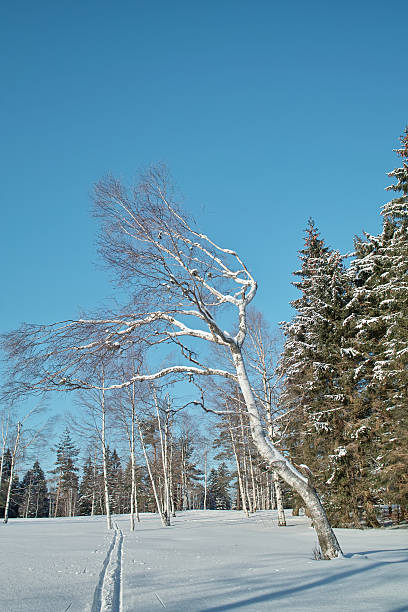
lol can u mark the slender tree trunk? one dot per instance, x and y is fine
(13, 462)
(94, 487)
(105, 463)
(239, 474)
(183, 478)
(163, 447)
(156, 497)
(133, 495)
(37, 504)
(5, 427)
(28, 500)
(245, 465)
(205, 482)
(58, 493)
(1, 467)
(275, 478)
(134, 511)
(327, 540)
(167, 468)
(279, 500)
(254, 497)
(171, 481)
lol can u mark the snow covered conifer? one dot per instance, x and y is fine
(315, 391)
(67, 479)
(115, 481)
(378, 344)
(380, 313)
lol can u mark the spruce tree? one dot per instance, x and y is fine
(315, 371)
(378, 315)
(66, 474)
(15, 494)
(218, 488)
(90, 496)
(115, 481)
(34, 496)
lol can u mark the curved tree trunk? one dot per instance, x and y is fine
(327, 540)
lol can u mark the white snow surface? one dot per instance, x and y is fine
(207, 561)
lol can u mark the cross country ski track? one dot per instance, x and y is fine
(108, 592)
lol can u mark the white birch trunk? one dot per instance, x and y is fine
(279, 500)
(105, 464)
(205, 482)
(2, 457)
(58, 493)
(37, 504)
(28, 499)
(163, 448)
(240, 483)
(254, 496)
(327, 540)
(134, 511)
(275, 479)
(94, 486)
(154, 488)
(13, 462)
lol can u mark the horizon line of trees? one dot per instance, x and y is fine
(67, 493)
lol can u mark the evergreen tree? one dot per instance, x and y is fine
(317, 384)
(378, 315)
(67, 478)
(115, 481)
(218, 488)
(90, 496)
(34, 498)
(15, 496)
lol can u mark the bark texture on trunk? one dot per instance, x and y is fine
(279, 500)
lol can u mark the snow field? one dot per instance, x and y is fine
(207, 561)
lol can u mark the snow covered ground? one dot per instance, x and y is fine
(210, 561)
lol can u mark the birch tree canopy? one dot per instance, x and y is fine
(178, 280)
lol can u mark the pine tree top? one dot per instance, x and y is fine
(396, 211)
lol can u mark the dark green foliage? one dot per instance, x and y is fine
(115, 482)
(34, 494)
(218, 488)
(65, 497)
(15, 497)
(316, 389)
(380, 325)
(90, 496)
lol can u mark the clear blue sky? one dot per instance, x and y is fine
(266, 113)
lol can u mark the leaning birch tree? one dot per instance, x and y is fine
(183, 284)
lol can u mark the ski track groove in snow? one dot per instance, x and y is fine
(108, 593)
